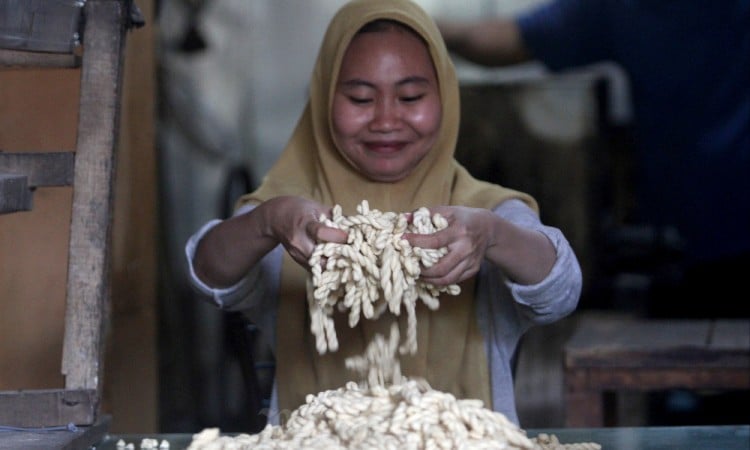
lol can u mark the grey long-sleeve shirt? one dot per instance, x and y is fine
(505, 310)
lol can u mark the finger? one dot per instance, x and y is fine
(438, 239)
(455, 276)
(328, 234)
(444, 279)
(439, 271)
(450, 270)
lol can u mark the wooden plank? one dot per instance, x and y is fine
(86, 317)
(47, 407)
(584, 409)
(731, 334)
(15, 194)
(647, 379)
(41, 26)
(632, 335)
(655, 343)
(678, 357)
(40, 169)
(77, 438)
(18, 59)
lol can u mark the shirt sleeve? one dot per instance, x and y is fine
(505, 310)
(255, 295)
(224, 298)
(558, 293)
(252, 292)
(567, 33)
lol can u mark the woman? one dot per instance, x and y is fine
(381, 125)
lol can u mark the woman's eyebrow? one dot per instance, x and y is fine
(355, 82)
(413, 79)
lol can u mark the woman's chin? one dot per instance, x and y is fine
(386, 177)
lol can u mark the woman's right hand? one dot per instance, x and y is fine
(232, 248)
(295, 224)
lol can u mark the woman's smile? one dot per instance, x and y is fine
(385, 147)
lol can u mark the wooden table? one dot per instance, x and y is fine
(729, 437)
(610, 354)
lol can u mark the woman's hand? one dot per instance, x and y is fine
(474, 234)
(466, 238)
(294, 223)
(228, 251)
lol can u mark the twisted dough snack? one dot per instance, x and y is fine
(375, 270)
(386, 411)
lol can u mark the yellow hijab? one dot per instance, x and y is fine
(451, 352)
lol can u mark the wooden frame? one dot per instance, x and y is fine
(20, 173)
(90, 170)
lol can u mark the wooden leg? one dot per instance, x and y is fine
(584, 408)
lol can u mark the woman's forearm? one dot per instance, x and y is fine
(525, 255)
(228, 251)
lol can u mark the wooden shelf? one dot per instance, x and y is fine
(90, 170)
(16, 59)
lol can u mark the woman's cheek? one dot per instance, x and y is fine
(347, 121)
(427, 120)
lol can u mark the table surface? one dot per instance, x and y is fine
(724, 437)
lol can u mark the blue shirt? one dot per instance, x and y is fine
(688, 62)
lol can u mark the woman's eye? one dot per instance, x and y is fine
(411, 98)
(360, 100)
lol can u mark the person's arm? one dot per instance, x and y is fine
(525, 255)
(232, 248)
(492, 42)
(558, 293)
(473, 235)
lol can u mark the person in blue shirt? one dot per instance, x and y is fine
(688, 64)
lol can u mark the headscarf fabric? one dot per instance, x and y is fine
(451, 353)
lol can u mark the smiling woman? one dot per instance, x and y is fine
(381, 125)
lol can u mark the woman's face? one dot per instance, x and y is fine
(386, 107)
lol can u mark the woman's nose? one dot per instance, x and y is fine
(386, 116)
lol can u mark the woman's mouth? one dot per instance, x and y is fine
(385, 147)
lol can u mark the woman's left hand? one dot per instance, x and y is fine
(467, 236)
(474, 234)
